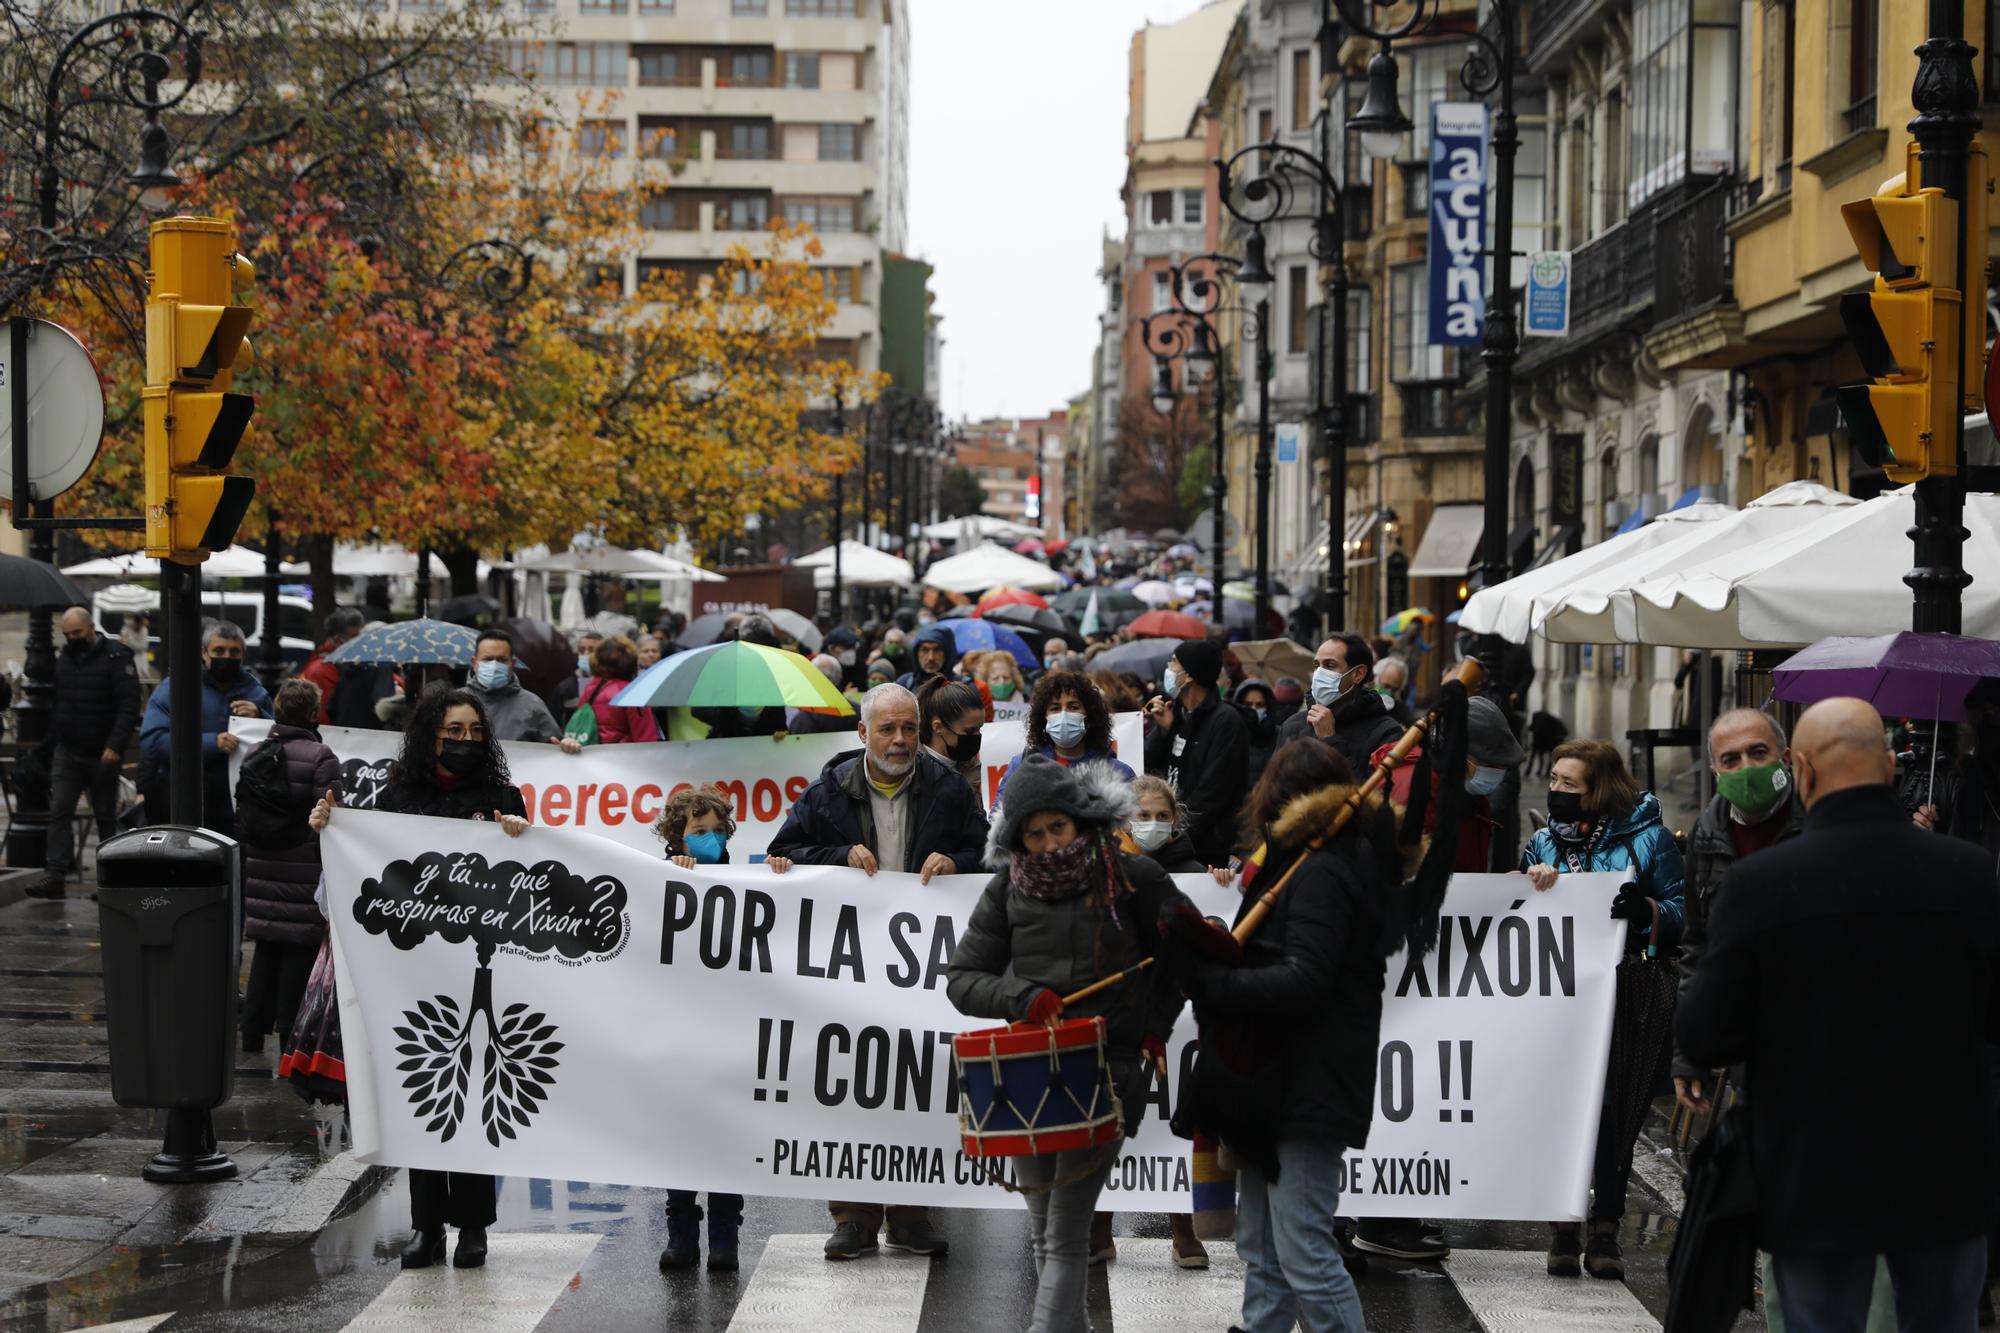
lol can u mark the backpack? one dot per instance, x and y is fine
(583, 722)
(268, 813)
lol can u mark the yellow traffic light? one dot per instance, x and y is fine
(1908, 331)
(196, 318)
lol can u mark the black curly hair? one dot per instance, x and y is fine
(416, 762)
(1096, 714)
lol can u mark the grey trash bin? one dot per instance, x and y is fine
(169, 911)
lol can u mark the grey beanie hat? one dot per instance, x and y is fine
(1489, 740)
(1091, 794)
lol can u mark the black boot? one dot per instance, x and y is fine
(723, 1224)
(683, 1239)
(471, 1251)
(425, 1248)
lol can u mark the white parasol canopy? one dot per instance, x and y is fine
(1601, 607)
(861, 566)
(1840, 575)
(235, 562)
(981, 527)
(988, 566)
(1508, 609)
(618, 562)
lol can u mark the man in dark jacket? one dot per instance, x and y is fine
(97, 709)
(1754, 807)
(1346, 711)
(227, 691)
(1201, 744)
(1865, 947)
(936, 650)
(891, 807)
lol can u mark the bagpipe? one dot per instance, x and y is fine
(1034, 1088)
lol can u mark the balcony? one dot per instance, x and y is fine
(1611, 276)
(1557, 27)
(1692, 255)
(1168, 242)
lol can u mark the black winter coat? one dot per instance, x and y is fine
(1207, 759)
(1711, 852)
(834, 814)
(1178, 857)
(1313, 974)
(279, 882)
(1866, 951)
(97, 699)
(1015, 945)
(470, 798)
(1359, 729)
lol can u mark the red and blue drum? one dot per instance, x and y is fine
(1029, 1089)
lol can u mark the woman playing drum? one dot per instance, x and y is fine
(1067, 909)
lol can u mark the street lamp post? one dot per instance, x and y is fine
(840, 431)
(1187, 330)
(1488, 69)
(1263, 469)
(122, 38)
(1268, 196)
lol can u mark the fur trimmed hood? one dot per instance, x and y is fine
(1090, 793)
(1313, 813)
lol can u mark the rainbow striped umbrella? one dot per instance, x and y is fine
(1402, 620)
(733, 675)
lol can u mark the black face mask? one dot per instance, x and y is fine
(225, 670)
(462, 758)
(1566, 807)
(965, 749)
(76, 647)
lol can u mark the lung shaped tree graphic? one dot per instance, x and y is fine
(539, 912)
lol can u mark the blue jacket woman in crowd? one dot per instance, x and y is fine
(1069, 722)
(1599, 821)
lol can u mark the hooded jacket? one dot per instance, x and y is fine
(514, 713)
(1263, 731)
(1637, 841)
(834, 814)
(1360, 728)
(1015, 946)
(914, 678)
(1313, 974)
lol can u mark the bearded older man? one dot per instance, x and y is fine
(891, 807)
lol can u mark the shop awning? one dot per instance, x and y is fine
(1450, 542)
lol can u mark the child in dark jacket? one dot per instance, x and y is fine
(696, 824)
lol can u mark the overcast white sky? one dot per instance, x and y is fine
(1017, 124)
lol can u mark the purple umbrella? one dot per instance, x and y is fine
(1903, 675)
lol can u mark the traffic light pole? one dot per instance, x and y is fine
(1946, 97)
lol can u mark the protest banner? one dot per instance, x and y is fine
(616, 791)
(560, 1006)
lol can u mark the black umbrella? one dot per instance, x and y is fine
(543, 657)
(1713, 1265)
(471, 609)
(30, 585)
(1034, 618)
(961, 612)
(1144, 658)
(703, 630)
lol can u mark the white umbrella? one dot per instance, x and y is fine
(1508, 609)
(618, 562)
(1599, 608)
(383, 560)
(984, 527)
(861, 566)
(1841, 575)
(989, 566)
(1154, 592)
(234, 562)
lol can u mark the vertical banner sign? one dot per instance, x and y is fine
(1288, 434)
(1458, 223)
(1565, 480)
(1548, 294)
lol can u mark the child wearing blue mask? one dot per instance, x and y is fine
(696, 824)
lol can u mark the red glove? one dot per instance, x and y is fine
(1153, 1049)
(1045, 1006)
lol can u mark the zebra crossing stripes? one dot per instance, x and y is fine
(525, 1274)
(795, 1288)
(1508, 1290)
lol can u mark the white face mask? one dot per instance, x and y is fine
(1151, 834)
(1065, 729)
(1328, 686)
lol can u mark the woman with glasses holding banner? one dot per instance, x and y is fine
(450, 767)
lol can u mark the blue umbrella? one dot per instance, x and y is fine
(410, 643)
(984, 636)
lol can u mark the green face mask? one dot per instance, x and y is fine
(1755, 790)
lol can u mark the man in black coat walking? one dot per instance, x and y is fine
(891, 807)
(1864, 953)
(97, 709)
(1345, 710)
(1200, 743)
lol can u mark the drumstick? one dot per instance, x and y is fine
(1470, 676)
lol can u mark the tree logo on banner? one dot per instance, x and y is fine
(541, 912)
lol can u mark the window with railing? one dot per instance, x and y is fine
(600, 138)
(821, 213)
(746, 69)
(1856, 38)
(578, 64)
(823, 9)
(659, 139)
(840, 143)
(660, 67)
(749, 9)
(600, 7)
(801, 70)
(1427, 408)
(656, 8)
(746, 142)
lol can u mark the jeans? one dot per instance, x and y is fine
(70, 775)
(1284, 1232)
(1059, 1232)
(1937, 1288)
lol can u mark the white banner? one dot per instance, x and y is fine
(560, 1006)
(616, 791)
